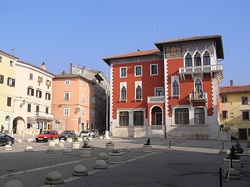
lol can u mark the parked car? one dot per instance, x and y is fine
(5, 139)
(85, 133)
(67, 134)
(46, 135)
(94, 133)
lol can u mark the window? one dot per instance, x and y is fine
(29, 108)
(38, 93)
(30, 91)
(8, 101)
(123, 72)
(66, 96)
(198, 86)
(1, 79)
(158, 91)
(66, 112)
(82, 111)
(47, 110)
(11, 82)
(245, 115)
(31, 76)
(206, 59)
(224, 99)
(244, 100)
(181, 116)
(224, 114)
(83, 83)
(138, 118)
(11, 63)
(197, 59)
(0, 59)
(47, 96)
(138, 71)
(188, 60)
(123, 119)
(175, 88)
(123, 94)
(83, 97)
(153, 69)
(138, 92)
(199, 116)
(67, 82)
(48, 83)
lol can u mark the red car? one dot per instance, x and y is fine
(46, 135)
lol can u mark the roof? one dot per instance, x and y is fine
(68, 76)
(217, 38)
(234, 89)
(132, 54)
(7, 54)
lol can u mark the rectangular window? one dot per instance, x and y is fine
(138, 118)
(123, 72)
(30, 91)
(244, 100)
(138, 71)
(181, 116)
(153, 69)
(67, 82)
(0, 59)
(66, 112)
(47, 96)
(158, 91)
(1, 79)
(83, 97)
(29, 108)
(224, 114)
(11, 63)
(82, 111)
(66, 96)
(31, 76)
(38, 93)
(123, 119)
(224, 99)
(245, 115)
(11, 82)
(8, 101)
(199, 116)
(47, 110)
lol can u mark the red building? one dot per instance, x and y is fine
(170, 92)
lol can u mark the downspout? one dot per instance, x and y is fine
(165, 89)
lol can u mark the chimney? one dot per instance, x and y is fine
(43, 66)
(231, 82)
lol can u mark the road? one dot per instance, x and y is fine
(190, 163)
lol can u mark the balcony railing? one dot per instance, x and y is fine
(197, 96)
(44, 115)
(201, 69)
(156, 99)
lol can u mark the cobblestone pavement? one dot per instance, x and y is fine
(186, 163)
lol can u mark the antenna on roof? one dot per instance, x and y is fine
(13, 51)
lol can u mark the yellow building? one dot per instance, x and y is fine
(234, 110)
(7, 89)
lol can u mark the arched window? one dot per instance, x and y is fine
(123, 93)
(197, 59)
(206, 59)
(188, 60)
(138, 92)
(175, 88)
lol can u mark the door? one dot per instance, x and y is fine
(158, 119)
(243, 134)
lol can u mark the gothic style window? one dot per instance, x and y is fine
(197, 59)
(188, 60)
(138, 92)
(198, 86)
(181, 116)
(175, 88)
(123, 93)
(206, 59)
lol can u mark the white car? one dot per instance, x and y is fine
(85, 133)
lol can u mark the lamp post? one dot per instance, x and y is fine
(107, 121)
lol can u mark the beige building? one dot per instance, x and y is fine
(32, 101)
(7, 90)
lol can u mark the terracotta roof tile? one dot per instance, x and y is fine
(234, 89)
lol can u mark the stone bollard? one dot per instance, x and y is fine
(80, 170)
(115, 157)
(51, 150)
(54, 177)
(67, 152)
(102, 156)
(100, 164)
(109, 146)
(29, 149)
(7, 147)
(14, 183)
(85, 152)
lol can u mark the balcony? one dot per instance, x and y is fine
(156, 99)
(198, 98)
(44, 115)
(212, 69)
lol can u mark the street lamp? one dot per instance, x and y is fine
(107, 121)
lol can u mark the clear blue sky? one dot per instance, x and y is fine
(82, 32)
